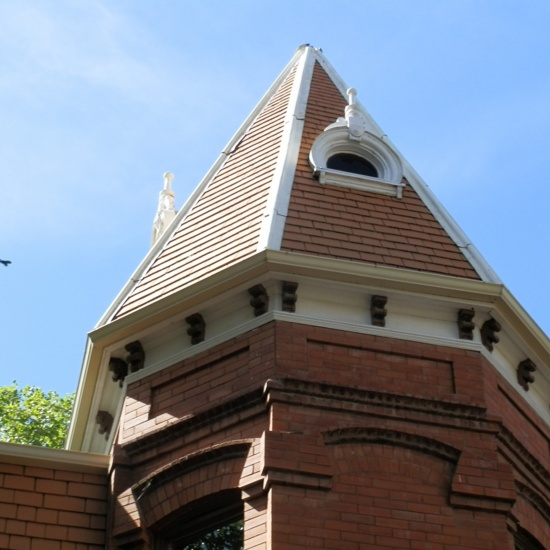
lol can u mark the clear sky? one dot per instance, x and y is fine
(99, 97)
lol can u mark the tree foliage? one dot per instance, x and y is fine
(227, 537)
(31, 416)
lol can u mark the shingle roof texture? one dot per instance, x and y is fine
(223, 226)
(360, 225)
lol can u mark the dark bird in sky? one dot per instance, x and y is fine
(5, 262)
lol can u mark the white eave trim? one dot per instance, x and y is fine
(61, 459)
(494, 298)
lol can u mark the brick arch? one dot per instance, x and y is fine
(390, 487)
(385, 462)
(176, 487)
(385, 467)
(385, 492)
(392, 437)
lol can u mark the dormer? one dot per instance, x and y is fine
(349, 155)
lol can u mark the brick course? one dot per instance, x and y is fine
(51, 508)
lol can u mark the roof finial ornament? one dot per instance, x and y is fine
(166, 211)
(354, 118)
(168, 177)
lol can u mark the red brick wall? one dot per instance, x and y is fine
(357, 441)
(46, 508)
(383, 497)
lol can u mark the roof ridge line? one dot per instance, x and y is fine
(271, 232)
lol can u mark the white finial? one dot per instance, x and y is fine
(168, 177)
(356, 123)
(352, 94)
(166, 211)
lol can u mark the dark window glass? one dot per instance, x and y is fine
(346, 162)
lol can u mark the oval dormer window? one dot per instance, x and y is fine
(346, 162)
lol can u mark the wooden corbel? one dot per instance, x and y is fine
(378, 310)
(489, 333)
(524, 372)
(197, 328)
(466, 324)
(259, 300)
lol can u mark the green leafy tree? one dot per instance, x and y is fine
(30, 416)
(227, 537)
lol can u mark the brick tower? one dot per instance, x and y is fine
(313, 346)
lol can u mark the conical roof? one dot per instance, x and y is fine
(263, 193)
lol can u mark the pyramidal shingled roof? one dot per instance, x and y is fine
(263, 193)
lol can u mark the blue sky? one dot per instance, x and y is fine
(99, 98)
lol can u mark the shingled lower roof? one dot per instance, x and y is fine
(262, 194)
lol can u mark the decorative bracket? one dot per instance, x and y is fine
(105, 421)
(525, 370)
(488, 333)
(119, 367)
(260, 299)
(197, 328)
(466, 324)
(289, 296)
(135, 360)
(136, 355)
(378, 311)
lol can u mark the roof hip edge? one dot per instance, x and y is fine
(457, 234)
(276, 209)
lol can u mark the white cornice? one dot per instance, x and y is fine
(490, 298)
(375, 276)
(304, 320)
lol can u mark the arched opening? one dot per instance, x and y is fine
(347, 162)
(214, 522)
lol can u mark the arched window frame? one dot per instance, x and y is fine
(194, 495)
(336, 139)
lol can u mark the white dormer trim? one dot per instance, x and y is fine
(336, 139)
(350, 135)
